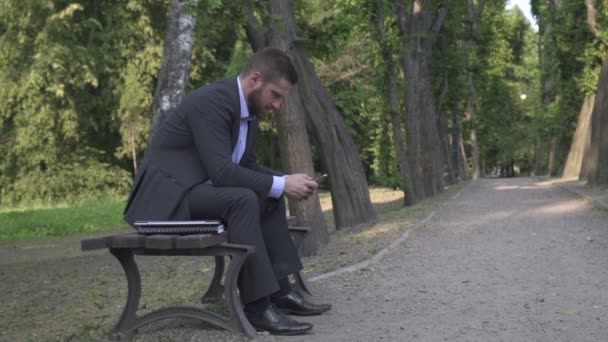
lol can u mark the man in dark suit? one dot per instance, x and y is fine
(201, 164)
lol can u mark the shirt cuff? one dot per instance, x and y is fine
(278, 186)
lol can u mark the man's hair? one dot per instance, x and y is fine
(272, 64)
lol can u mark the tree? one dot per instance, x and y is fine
(293, 138)
(349, 188)
(595, 163)
(395, 112)
(419, 30)
(177, 59)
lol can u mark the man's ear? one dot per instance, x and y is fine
(255, 79)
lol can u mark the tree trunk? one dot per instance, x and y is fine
(581, 140)
(349, 188)
(409, 197)
(464, 172)
(419, 33)
(539, 158)
(554, 152)
(596, 158)
(177, 60)
(474, 13)
(294, 147)
(442, 123)
(469, 114)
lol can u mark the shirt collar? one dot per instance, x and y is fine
(244, 108)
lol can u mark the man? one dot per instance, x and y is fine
(201, 164)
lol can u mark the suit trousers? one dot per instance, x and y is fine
(250, 220)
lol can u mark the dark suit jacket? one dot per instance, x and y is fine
(194, 144)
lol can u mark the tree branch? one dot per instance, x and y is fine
(402, 18)
(255, 32)
(591, 17)
(442, 12)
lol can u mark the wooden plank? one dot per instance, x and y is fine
(160, 241)
(199, 240)
(131, 240)
(95, 243)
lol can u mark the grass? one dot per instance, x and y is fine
(93, 216)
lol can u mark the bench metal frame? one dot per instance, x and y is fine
(125, 246)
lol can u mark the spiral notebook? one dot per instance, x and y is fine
(180, 227)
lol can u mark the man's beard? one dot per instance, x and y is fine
(253, 103)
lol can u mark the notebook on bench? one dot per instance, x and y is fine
(180, 227)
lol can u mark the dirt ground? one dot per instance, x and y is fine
(503, 260)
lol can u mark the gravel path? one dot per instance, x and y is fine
(506, 260)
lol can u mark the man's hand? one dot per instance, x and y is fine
(300, 186)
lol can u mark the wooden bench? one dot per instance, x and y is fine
(125, 246)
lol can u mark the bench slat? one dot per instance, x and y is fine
(132, 240)
(199, 240)
(161, 241)
(95, 243)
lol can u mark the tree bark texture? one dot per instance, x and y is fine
(474, 13)
(177, 60)
(419, 33)
(294, 148)
(349, 188)
(444, 123)
(554, 153)
(395, 113)
(460, 156)
(595, 164)
(580, 141)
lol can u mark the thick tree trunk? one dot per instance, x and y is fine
(419, 32)
(349, 188)
(409, 197)
(595, 164)
(581, 139)
(433, 141)
(177, 60)
(294, 147)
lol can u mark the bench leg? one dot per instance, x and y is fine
(216, 290)
(126, 324)
(236, 322)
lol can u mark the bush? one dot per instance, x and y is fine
(67, 183)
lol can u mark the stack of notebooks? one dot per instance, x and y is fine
(180, 227)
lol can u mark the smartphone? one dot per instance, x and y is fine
(321, 178)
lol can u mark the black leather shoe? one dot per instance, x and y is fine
(295, 304)
(276, 323)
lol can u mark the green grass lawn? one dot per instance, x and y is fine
(91, 216)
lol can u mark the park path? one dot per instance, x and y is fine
(505, 260)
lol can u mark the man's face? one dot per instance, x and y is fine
(268, 96)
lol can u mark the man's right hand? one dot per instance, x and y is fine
(299, 186)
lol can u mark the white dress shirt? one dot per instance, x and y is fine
(278, 183)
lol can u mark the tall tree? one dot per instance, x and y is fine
(474, 13)
(393, 99)
(294, 144)
(419, 26)
(349, 188)
(596, 156)
(177, 59)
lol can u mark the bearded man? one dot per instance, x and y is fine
(201, 164)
